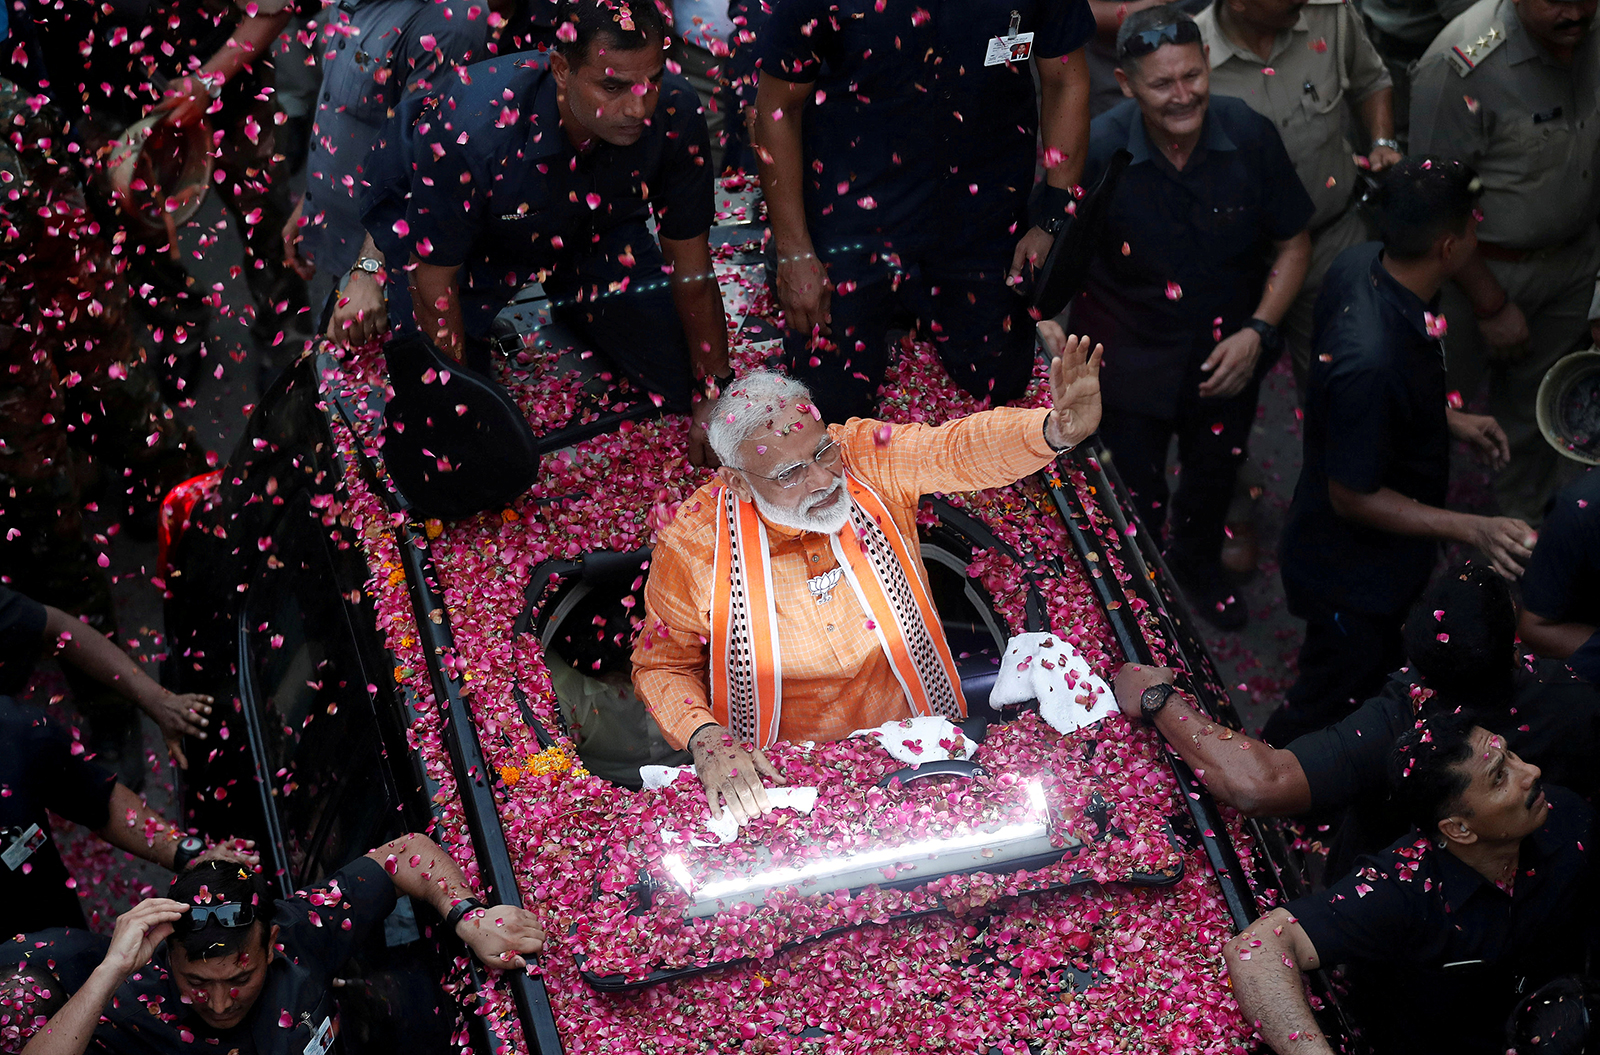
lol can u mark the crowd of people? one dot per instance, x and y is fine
(1400, 194)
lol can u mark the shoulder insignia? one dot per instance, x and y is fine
(1471, 51)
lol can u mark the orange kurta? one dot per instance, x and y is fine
(836, 678)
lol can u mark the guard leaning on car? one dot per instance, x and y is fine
(218, 966)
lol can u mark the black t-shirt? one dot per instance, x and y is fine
(313, 944)
(1375, 418)
(1437, 953)
(1553, 721)
(495, 184)
(1183, 249)
(1562, 582)
(22, 622)
(911, 140)
(42, 768)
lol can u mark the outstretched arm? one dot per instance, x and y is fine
(1247, 774)
(84, 647)
(1264, 963)
(421, 869)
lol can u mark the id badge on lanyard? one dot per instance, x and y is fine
(23, 846)
(1013, 47)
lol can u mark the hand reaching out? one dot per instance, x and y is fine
(180, 715)
(1484, 434)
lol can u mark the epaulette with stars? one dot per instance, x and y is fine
(1465, 57)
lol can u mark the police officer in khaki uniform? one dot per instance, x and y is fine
(1303, 65)
(1512, 87)
(1401, 30)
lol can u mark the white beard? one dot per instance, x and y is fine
(829, 523)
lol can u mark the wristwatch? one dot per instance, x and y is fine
(1271, 339)
(459, 910)
(1154, 699)
(371, 265)
(1054, 224)
(189, 848)
(713, 386)
(1392, 144)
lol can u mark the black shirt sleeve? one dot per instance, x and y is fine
(1372, 914)
(1566, 545)
(449, 181)
(313, 921)
(790, 39)
(685, 204)
(1351, 757)
(1066, 26)
(22, 621)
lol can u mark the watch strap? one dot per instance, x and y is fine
(1148, 711)
(459, 910)
(1048, 208)
(186, 851)
(1271, 339)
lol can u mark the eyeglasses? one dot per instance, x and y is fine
(1149, 40)
(228, 914)
(827, 459)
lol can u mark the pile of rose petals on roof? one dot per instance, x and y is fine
(1088, 968)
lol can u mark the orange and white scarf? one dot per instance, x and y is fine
(746, 654)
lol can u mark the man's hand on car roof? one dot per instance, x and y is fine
(732, 772)
(501, 935)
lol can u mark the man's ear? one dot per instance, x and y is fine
(737, 483)
(1122, 81)
(561, 69)
(272, 942)
(1455, 829)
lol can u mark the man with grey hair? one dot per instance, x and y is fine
(788, 601)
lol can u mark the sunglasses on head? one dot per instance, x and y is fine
(1145, 42)
(228, 914)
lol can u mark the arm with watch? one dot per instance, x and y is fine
(134, 827)
(187, 99)
(361, 312)
(1233, 361)
(1245, 773)
(1064, 129)
(500, 935)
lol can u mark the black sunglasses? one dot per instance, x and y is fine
(1145, 42)
(229, 914)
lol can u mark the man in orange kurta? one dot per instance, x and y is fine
(836, 677)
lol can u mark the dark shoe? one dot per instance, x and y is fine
(1210, 595)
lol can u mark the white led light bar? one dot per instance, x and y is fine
(922, 862)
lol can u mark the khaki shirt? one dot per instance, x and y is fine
(1486, 93)
(1315, 68)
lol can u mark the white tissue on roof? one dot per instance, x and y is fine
(922, 739)
(1042, 666)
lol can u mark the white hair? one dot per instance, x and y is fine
(745, 406)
